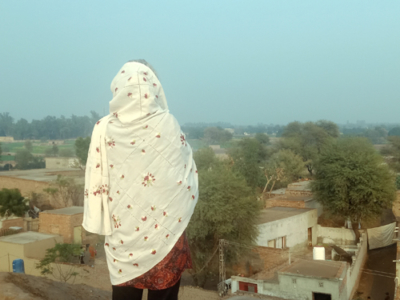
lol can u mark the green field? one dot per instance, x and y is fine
(7, 157)
(38, 147)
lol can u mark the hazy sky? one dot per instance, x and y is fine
(243, 62)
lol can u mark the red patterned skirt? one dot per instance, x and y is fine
(168, 271)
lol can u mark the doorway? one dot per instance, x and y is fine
(320, 296)
(78, 235)
(310, 237)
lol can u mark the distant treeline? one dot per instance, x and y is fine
(50, 127)
(377, 134)
(54, 128)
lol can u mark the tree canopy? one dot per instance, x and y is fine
(49, 127)
(12, 203)
(82, 149)
(392, 152)
(351, 180)
(216, 135)
(248, 156)
(309, 139)
(227, 209)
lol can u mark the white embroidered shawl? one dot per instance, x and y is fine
(141, 183)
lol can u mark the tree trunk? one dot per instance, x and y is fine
(354, 225)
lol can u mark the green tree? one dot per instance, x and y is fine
(308, 140)
(394, 131)
(23, 158)
(216, 135)
(262, 138)
(6, 124)
(28, 145)
(12, 203)
(205, 158)
(61, 262)
(292, 164)
(82, 149)
(392, 152)
(352, 180)
(248, 156)
(227, 209)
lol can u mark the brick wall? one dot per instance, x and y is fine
(24, 185)
(60, 224)
(273, 202)
(19, 222)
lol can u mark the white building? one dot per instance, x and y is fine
(287, 227)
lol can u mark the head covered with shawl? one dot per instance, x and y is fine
(141, 183)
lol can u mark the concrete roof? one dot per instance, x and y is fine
(279, 191)
(316, 268)
(278, 213)
(26, 237)
(72, 210)
(304, 198)
(300, 186)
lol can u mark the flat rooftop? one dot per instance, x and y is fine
(72, 210)
(316, 268)
(299, 186)
(304, 198)
(278, 213)
(26, 237)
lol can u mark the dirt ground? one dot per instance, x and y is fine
(21, 286)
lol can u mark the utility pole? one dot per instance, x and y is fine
(222, 275)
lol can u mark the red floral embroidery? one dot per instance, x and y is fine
(148, 180)
(146, 238)
(107, 244)
(136, 265)
(193, 197)
(153, 251)
(137, 228)
(98, 149)
(129, 78)
(165, 214)
(154, 84)
(183, 140)
(145, 95)
(129, 95)
(144, 218)
(86, 193)
(153, 207)
(97, 166)
(98, 122)
(111, 199)
(111, 143)
(133, 142)
(122, 72)
(129, 206)
(117, 222)
(144, 79)
(158, 135)
(116, 89)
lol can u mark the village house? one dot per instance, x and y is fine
(297, 194)
(66, 222)
(29, 246)
(287, 227)
(304, 278)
